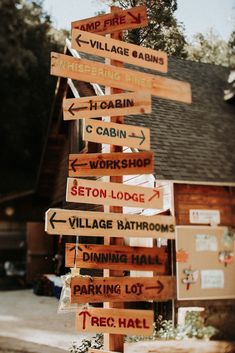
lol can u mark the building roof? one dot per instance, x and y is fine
(193, 142)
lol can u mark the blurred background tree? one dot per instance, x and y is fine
(163, 32)
(211, 48)
(26, 90)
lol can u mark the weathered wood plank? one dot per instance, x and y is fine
(114, 104)
(116, 134)
(117, 163)
(117, 20)
(104, 193)
(121, 289)
(117, 50)
(108, 75)
(116, 257)
(121, 321)
(72, 222)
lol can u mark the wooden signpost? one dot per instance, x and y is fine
(102, 193)
(117, 163)
(120, 135)
(72, 222)
(115, 104)
(115, 21)
(116, 257)
(113, 226)
(115, 49)
(90, 71)
(121, 321)
(121, 289)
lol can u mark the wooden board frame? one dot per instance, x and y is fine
(121, 289)
(115, 49)
(114, 104)
(121, 321)
(114, 133)
(116, 257)
(192, 239)
(112, 164)
(73, 222)
(115, 21)
(108, 75)
(105, 193)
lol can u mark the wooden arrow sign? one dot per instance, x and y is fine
(103, 193)
(117, 163)
(72, 222)
(116, 134)
(116, 257)
(111, 105)
(117, 321)
(117, 50)
(118, 20)
(121, 289)
(112, 76)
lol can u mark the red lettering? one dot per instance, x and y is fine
(110, 322)
(122, 322)
(94, 321)
(103, 322)
(122, 19)
(144, 324)
(137, 322)
(80, 191)
(88, 189)
(130, 323)
(74, 191)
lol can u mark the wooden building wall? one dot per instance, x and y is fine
(219, 313)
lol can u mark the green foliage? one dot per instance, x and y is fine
(211, 48)
(26, 40)
(163, 31)
(95, 343)
(193, 328)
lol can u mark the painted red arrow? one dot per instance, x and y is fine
(84, 313)
(136, 19)
(156, 193)
(160, 287)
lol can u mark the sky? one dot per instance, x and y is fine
(196, 15)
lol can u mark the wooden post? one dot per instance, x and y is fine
(114, 342)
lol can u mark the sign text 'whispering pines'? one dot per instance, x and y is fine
(112, 76)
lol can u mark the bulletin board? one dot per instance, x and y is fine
(208, 269)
